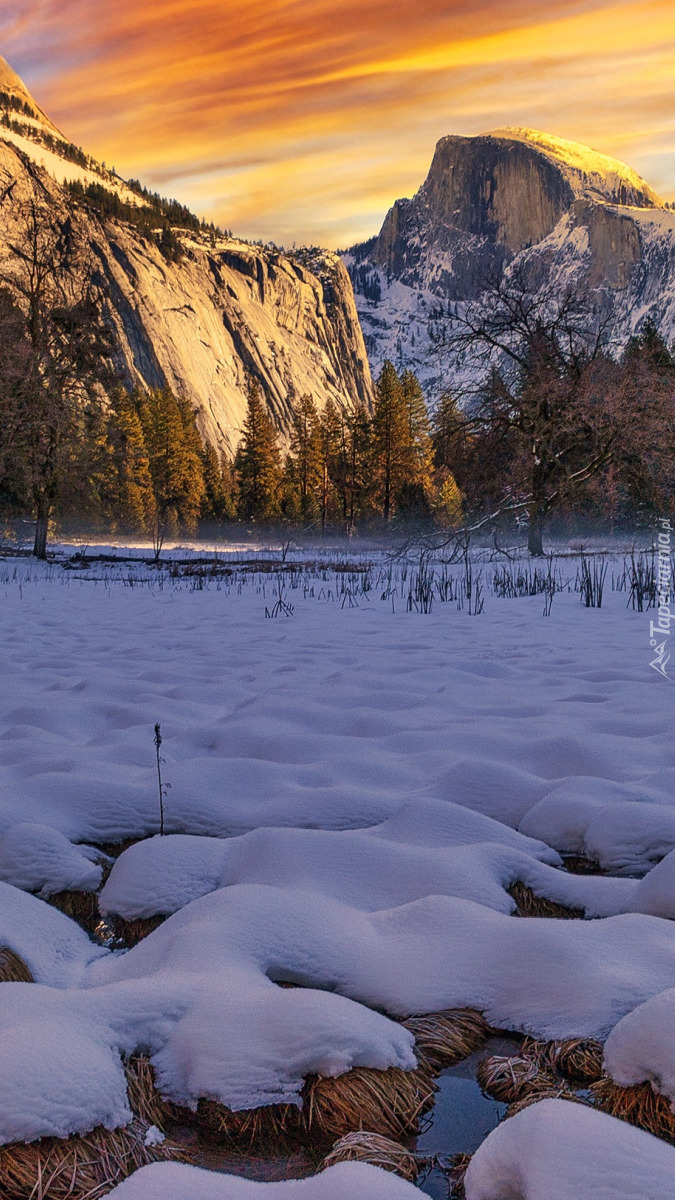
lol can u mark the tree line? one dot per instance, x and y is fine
(559, 423)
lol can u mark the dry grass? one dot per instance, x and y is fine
(578, 1059)
(639, 1105)
(386, 1102)
(578, 864)
(79, 906)
(559, 1090)
(459, 1164)
(78, 1168)
(509, 1079)
(145, 1101)
(131, 932)
(273, 1127)
(12, 968)
(372, 1148)
(445, 1038)
(529, 905)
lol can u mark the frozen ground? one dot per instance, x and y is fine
(353, 789)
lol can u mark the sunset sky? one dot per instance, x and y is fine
(303, 120)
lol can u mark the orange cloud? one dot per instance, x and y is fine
(304, 119)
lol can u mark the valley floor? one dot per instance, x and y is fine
(354, 791)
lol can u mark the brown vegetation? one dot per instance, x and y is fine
(12, 968)
(361, 1146)
(639, 1105)
(445, 1038)
(82, 1167)
(81, 907)
(529, 905)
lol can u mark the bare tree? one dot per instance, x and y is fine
(547, 391)
(66, 349)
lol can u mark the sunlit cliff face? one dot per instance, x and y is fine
(302, 120)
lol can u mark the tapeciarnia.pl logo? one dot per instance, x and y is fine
(663, 590)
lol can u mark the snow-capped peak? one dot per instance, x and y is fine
(585, 167)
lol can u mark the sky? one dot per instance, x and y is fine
(301, 121)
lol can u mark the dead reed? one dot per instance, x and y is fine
(145, 1101)
(559, 1090)
(445, 1038)
(272, 1127)
(12, 968)
(509, 1079)
(134, 930)
(639, 1105)
(386, 1102)
(529, 905)
(578, 1059)
(361, 1146)
(82, 1167)
(389, 1103)
(578, 864)
(79, 906)
(459, 1165)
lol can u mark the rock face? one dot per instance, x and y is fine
(511, 196)
(223, 311)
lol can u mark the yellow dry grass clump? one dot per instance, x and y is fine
(133, 931)
(361, 1146)
(386, 1102)
(145, 1101)
(82, 1167)
(639, 1105)
(529, 905)
(81, 907)
(12, 968)
(578, 1059)
(510, 1078)
(445, 1038)
(389, 1103)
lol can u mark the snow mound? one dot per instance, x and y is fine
(163, 874)
(54, 948)
(556, 1150)
(641, 1047)
(39, 859)
(345, 1181)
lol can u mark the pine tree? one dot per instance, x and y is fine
(257, 461)
(415, 487)
(218, 501)
(306, 468)
(390, 437)
(356, 465)
(448, 428)
(128, 497)
(448, 503)
(174, 452)
(329, 451)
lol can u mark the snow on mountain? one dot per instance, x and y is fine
(498, 201)
(585, 169)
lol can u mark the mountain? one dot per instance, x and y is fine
(509, 198)
(204, 316)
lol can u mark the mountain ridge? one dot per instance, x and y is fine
(206, 317)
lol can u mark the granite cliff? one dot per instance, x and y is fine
(205, 319)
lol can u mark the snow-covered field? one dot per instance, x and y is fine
(354, 788)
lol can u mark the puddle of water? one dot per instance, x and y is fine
(462, 1116)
